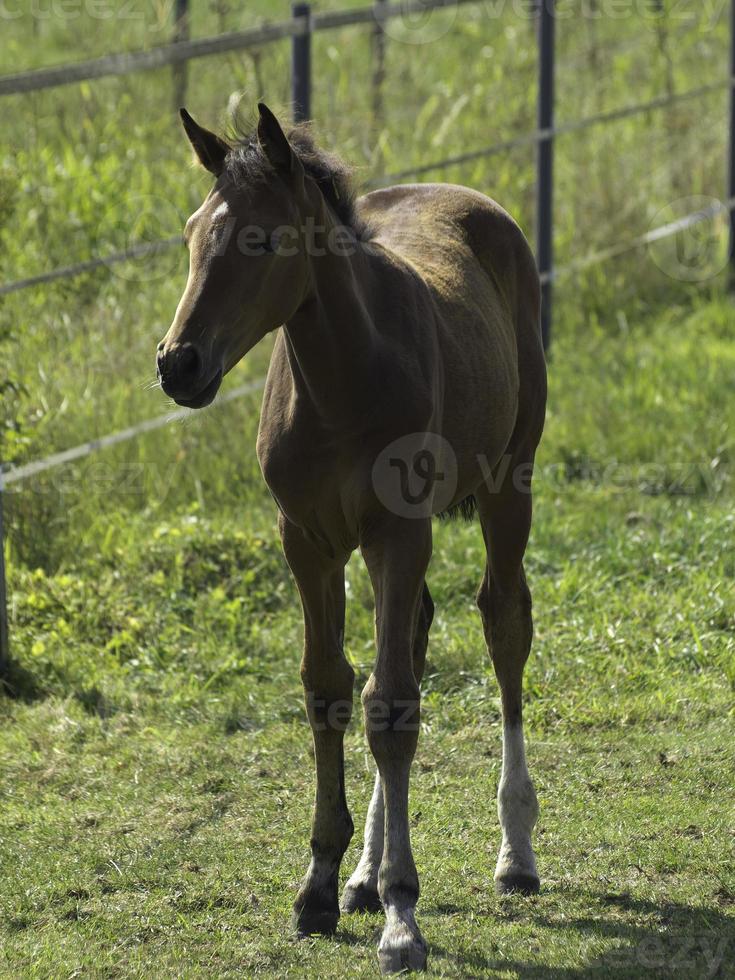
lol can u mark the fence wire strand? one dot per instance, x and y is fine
(130, 62)
(16, 474)
(183, 51)
(70, 271)
(525, 139)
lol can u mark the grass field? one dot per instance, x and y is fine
(155, 759)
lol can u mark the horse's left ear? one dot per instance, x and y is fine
(210, 149)
(274, 142)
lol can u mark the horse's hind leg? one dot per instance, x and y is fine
(361, 891)
(327, 678)
(505, 604)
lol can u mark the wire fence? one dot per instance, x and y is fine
(302, 23)
(299, 28)
(16, 474)
(144, 249)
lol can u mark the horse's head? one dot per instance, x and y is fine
(248, 268)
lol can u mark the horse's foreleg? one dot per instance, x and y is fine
(328, 680)
(505, 604)
(361, 891)
(397, 557)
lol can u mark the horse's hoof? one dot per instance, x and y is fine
(360, 898)
(313, 922)
(517, 883)
(402, 954)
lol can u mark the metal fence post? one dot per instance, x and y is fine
(301, 65)
(731, 148)
(379, 58)
(545, 163)
(180, 70)
(4, 643)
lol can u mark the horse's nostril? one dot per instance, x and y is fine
(188, 362)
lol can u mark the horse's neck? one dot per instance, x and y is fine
(331, 340)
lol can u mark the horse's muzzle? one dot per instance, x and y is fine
(183, 376)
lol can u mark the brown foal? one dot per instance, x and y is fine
(407, 379)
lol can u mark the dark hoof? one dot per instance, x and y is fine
(360, 899)
(517, 884)
(314, 922)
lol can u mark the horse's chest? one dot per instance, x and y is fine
(294, 471)
(306, 479)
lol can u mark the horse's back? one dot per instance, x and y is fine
(421, 222)
(479, 266)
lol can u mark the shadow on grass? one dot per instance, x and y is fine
(19, 684)
(675, 941)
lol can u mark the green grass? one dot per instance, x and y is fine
(155, 761)
(157, 773)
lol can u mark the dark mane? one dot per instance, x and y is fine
(247, 163)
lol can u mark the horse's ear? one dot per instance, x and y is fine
(210, 149)
(274, 143)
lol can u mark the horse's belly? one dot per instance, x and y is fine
(480, 399)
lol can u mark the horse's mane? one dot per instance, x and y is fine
(247, 163)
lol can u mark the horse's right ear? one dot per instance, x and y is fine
(274, 142)
(210, 149)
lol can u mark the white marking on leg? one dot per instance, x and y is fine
(401, 946)
(517, 808)
(366, 872)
